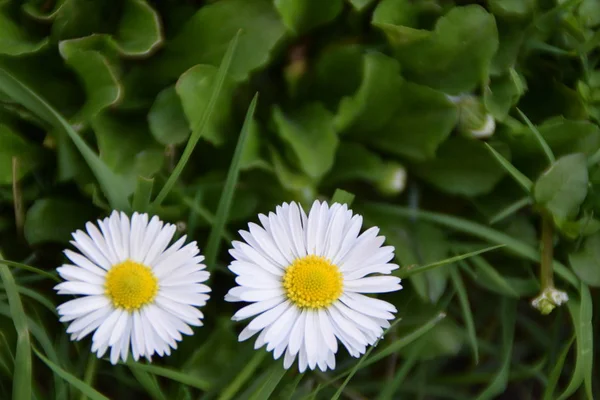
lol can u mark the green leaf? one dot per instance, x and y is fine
(581, 311)
(140, 32)
(198, 129)
(486, 275)
(562, 188)
(14, 40)
(463, 167)
(181, 377)
(54, 219)
(517, 175)
(557, 370)
(310, 134)
(373, 104)
(114, 188)
(167, 120)
(51, 275)
(193, 89)
(300, 16)
(271, 380)
(221, 218)
(502, 93)
(98, 73)
(342, 197)
(247, 372)
(127, 147)
(206, 35)
(511, 8)
(586, 261)
(422, 120)
(13, 145)
(360, 5)
(89, 391)
(547, 150)
(22, 375)
(452, 58)
(444, 340)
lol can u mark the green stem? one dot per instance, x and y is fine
(546, 272)
(90, 373)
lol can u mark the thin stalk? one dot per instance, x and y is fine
(546, 272)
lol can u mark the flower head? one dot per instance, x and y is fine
(137, 293)
(305, 276)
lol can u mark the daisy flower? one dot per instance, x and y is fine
(136, 293)
(305, 276)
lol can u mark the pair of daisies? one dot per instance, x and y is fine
(303, 275)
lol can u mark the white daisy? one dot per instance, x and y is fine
(304, 276)
(137, 292)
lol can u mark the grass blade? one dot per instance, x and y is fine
(22, 382)
(77, 383)
(493, 277)
(26, 267)
(149, 383)
(387, 393)
(113, 186)
(231, 390)
(543, 144)
(521, 179)
(556, 371)
(415, 269)
(508, 317)
(197, 131)
(180, 377)
(466, 310)
(510, 210)
(581, 313)
(214, 239)
(273, 378)
(342, 197)
(471, 228)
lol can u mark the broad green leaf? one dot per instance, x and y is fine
(127, 147)
(297, 182)
(194, 91)
(205, 37)
(359, 5)
(586, 261)
(54, 219)
(374, 102)
(452, 58)
(69, 25)
(15, 40)
(140, 31)
(338, 72)
(22, 375)
(98, 73)
(167, 120)
(502, 93)
(444, 340)
(342, 197)
(113, 187)
(511, 8)
(463, 167)
(403, 13)
(562, 188)
(589, 13)
(300, 16)
(14, 145)
(581, 311)
(422, 120)
(309, 132)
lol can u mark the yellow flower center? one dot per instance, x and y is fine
(130, 285)
(312, 282)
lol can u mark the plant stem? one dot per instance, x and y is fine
(546, 272)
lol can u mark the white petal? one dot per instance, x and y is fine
(83, 305)
(257, 308)
(119, 329)
(297, 334)
(374, 284)
(81, 288)
(160, 244)
(73, 273)
(268, 317)
(364, 308)
(85, 263)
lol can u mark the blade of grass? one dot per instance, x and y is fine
(466, 310)
(180, 377)
(581, 314)
(214, 239)
(206, 215)
(391, 387)
(37, 297)
(231, 390)
(149, 383)
(363, 359)
(494, 277)
(342, 197)
(17, 197)
(471, 228)
(415, 269)
(510, 210)
(265, 391)
(508, 314)
(142, 194)
(292, 387)
(521, 179)
(543, 144)
(90, 373)
(113, 186)
(22, 383)
(557, 370)
(199, 128)
(77, 383)
(38, 271)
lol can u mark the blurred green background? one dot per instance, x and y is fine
(458, 125)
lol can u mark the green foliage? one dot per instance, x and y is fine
(433, 119)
